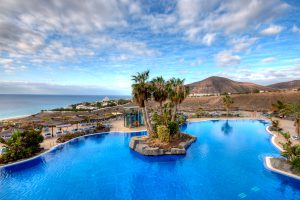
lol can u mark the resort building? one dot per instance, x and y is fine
(106, 99)
(6, 134)
(133, 117)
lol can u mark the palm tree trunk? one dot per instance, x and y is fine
(160, 106)
(174, 114)
(147, 119)
(298, 126)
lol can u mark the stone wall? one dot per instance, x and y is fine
(137, 143)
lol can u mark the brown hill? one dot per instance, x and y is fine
(219, 85)
(286, 85)
(250, 102)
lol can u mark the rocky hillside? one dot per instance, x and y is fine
(286, 85)
(250, 102)
(219, 85)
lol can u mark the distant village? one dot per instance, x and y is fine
(74, 118)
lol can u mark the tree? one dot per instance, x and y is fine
(159, 91)
(293, 109)
(22, 144)
(278, 106)
(227, 102)
(177, 92)
(141, 93)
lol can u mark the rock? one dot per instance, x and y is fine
(138, 144)
(178, 151)
(137, 140)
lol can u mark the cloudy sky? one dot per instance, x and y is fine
(93, 47)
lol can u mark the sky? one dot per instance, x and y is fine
(93, 47)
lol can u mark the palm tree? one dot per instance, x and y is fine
(141, 94)
(160, 93)
(293, 109)
(177, 92)
(278, 106)
(227, 102)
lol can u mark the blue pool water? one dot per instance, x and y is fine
(226, 162)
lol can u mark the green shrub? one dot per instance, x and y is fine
(173, 127)
(181, 119)
(163, 133)
(286, 135)
(22, 145)
(275, 123)
(153, 136)
(296, 163)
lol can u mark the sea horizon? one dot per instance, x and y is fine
(21, 105)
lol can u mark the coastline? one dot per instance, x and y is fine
(14, 118)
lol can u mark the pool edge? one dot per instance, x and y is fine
(61, 144)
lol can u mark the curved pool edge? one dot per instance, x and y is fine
(268, 165)
(59, 145)
(267, 159)
(267, 162)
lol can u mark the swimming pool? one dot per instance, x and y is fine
(226, 162)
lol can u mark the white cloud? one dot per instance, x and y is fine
(198, 17)
(26, 26)
(295, 29)
(268, 60)
(272, 30)
(242, 43)
(264, 75)
(121, 57)
(296, 60)
(26, 87)
(134, 47)
(5, 61)
(226, 58)
(197, 62)
(208, 39)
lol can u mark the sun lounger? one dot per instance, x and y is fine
(48, 135)
(58, 133)
(294, 137)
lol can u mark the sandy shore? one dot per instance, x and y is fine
(13, 118)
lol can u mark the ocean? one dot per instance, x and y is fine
(15, 105)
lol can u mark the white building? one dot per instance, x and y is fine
(106, 99)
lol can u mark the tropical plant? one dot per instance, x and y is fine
(291, 151)
(159, 91)
(141, 92)
(177, 92)
(22, 144)
(227, 102)
(278, 106)
(173, 126)
(296, 163)
(163, 133)
(275, 124)
(294, 110)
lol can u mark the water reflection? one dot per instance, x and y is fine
(226, 128)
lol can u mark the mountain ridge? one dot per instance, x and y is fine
(294, 84)
(219, 85)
